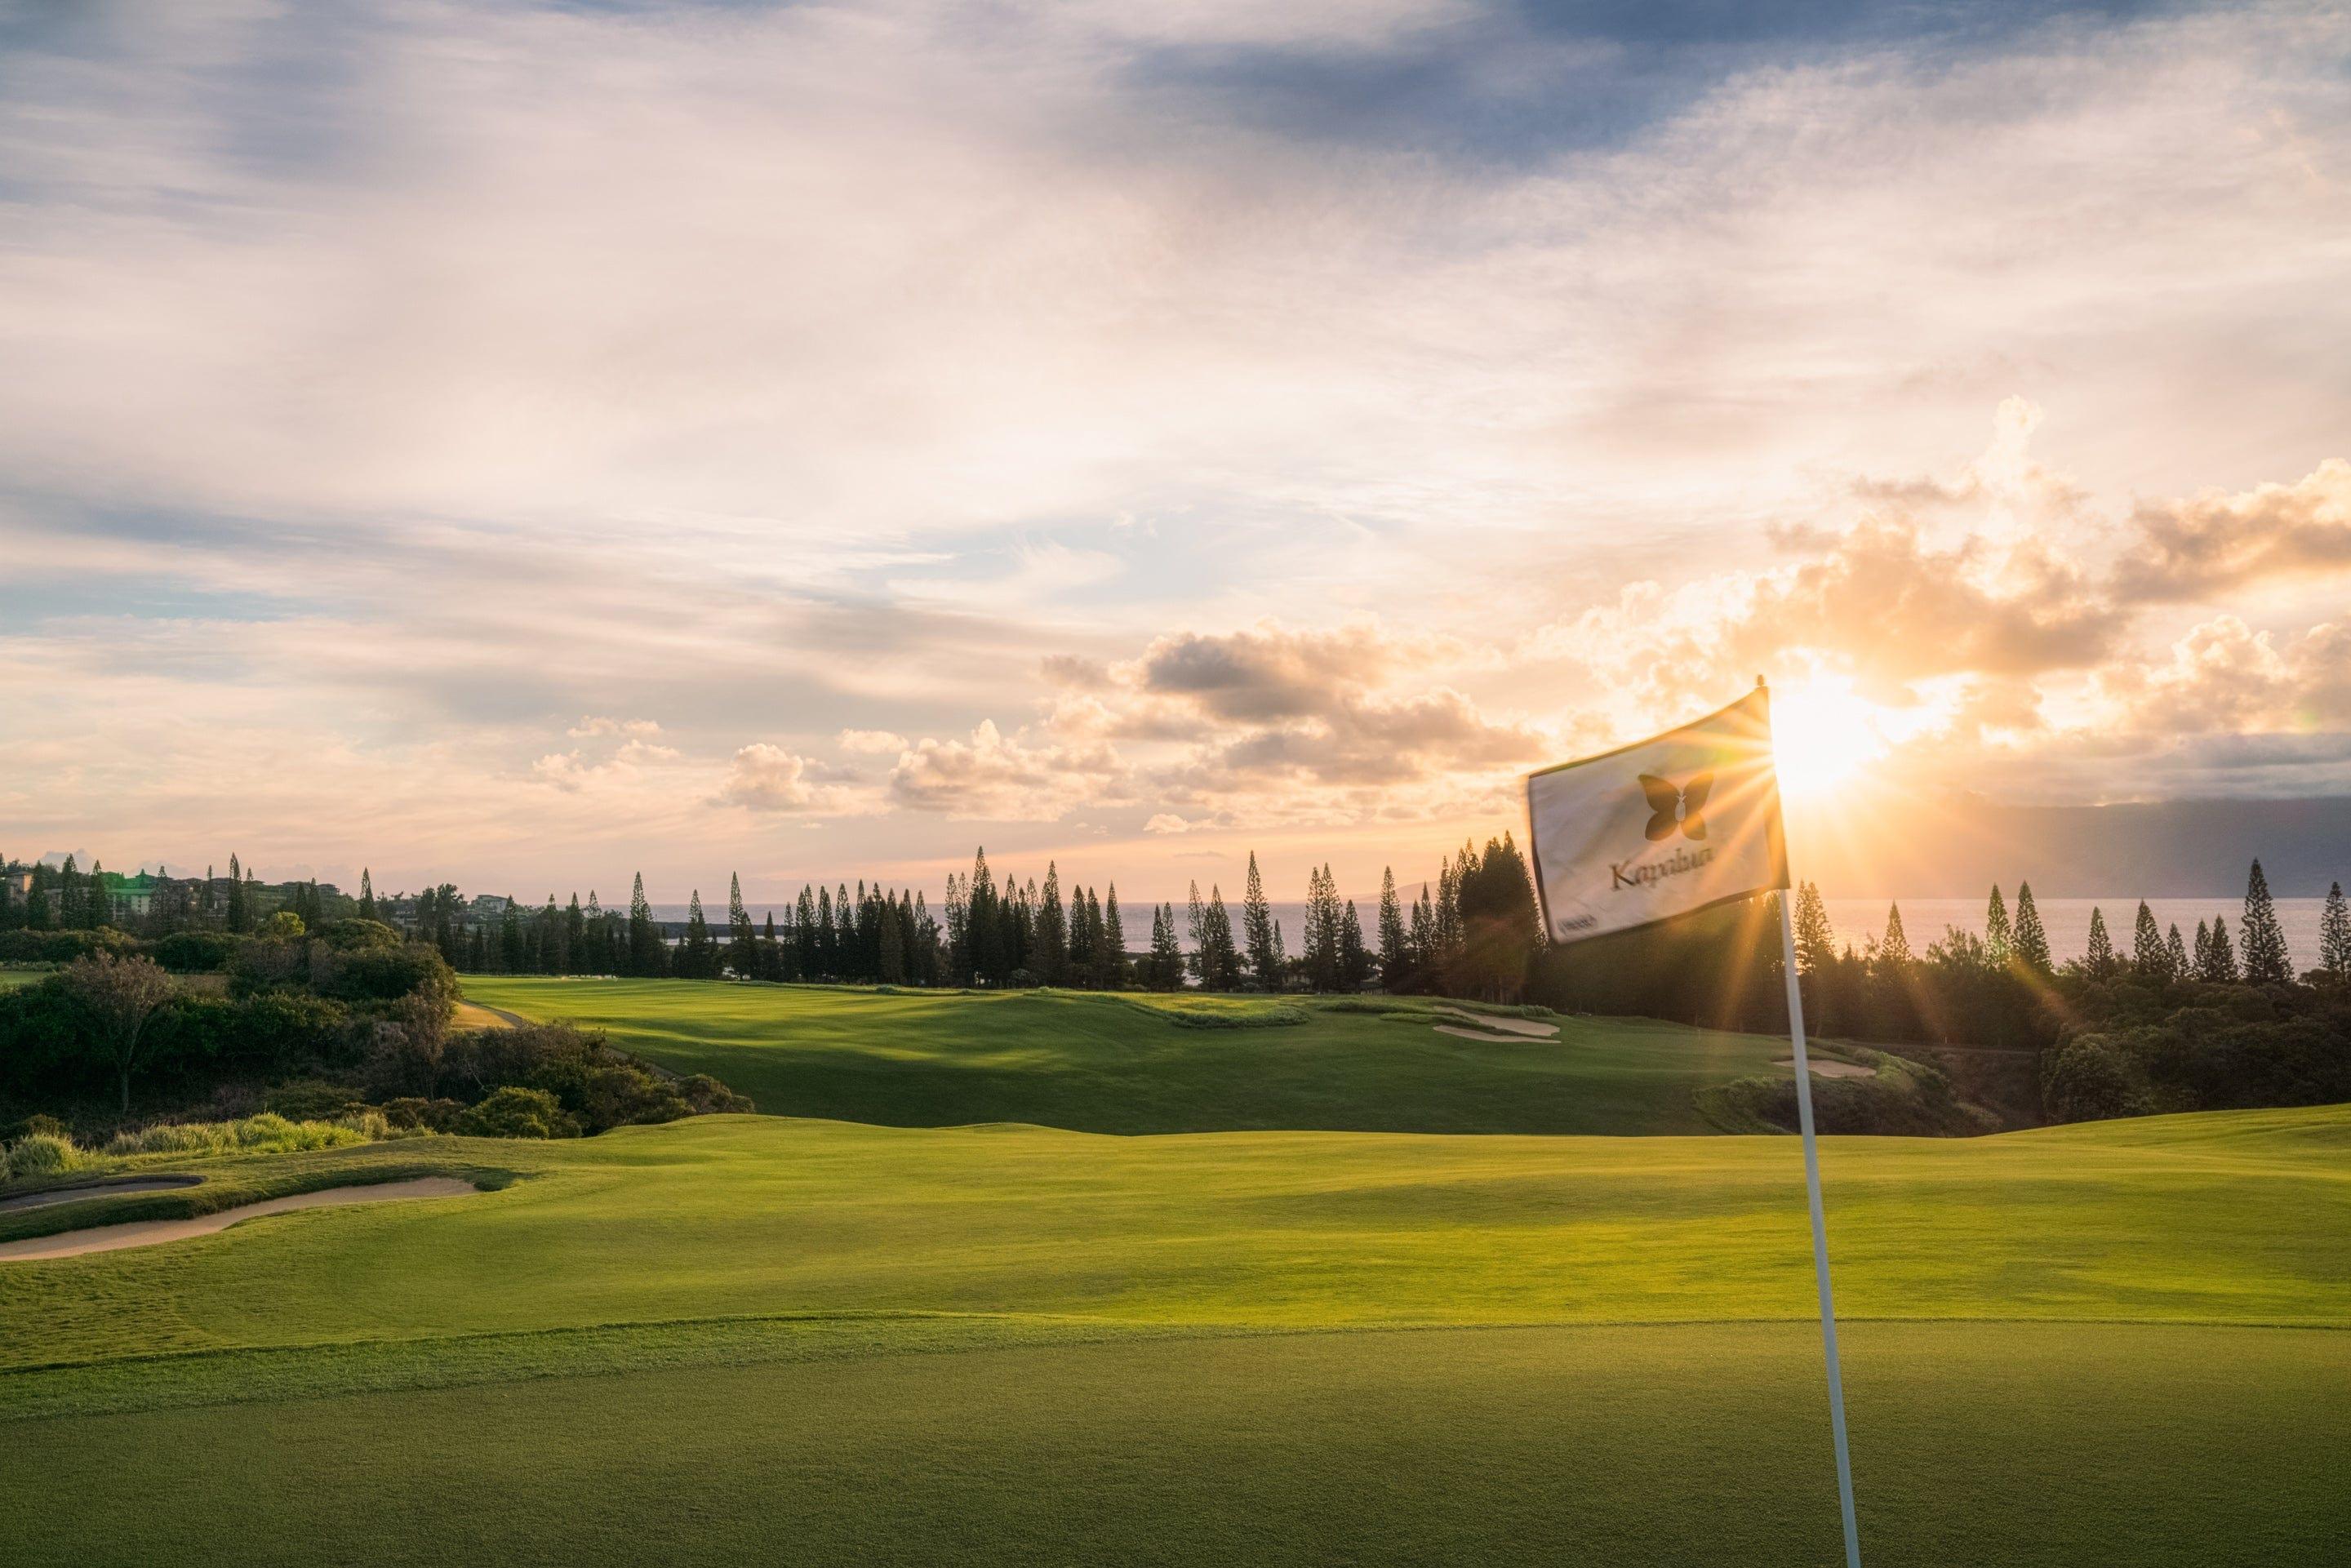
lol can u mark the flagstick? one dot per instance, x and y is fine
(1819, 1230)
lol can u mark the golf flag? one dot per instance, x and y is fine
(1675, 823)
(1658, 829)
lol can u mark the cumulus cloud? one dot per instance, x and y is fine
(1166, 822)
(2202, 546)
(765, 778)
(1005, 778)
(592, 725)
(870, 742)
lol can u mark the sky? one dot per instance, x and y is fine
(523, 445)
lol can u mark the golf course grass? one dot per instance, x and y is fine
(11, 978)
(806, 1341)
(1100, 1064)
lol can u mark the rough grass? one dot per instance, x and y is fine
(1123, 1064)
(749, 1338)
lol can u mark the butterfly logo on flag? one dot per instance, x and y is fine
(1673, 806)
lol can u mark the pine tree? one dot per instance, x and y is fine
(1050, 961)
(2335, 936)
(1894, 950)
(1167, 962)
(1999, 942)
(1257, 928)
(2220, 959)
(1110, 946)
(1815, 938)
(1196, 916)
(2032, 940)
(2203, 960)
(2175, 954)
(2266, 960)
(2099, 959)
(2149, 960)
(1355, 959)
(742, 941)
(240, 897)
(1395, 947)
(1220, 961)
(647, 953)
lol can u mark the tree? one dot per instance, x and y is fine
(1165, 965)
(2220, 967)
(742, 941)
(120, 996)
(367, 894)
(1395, 947)
(2266, 960)
(1219, 960)
(2148, 959)
(698, 956)
(1256, 929)
(1050, 961)
(2099, 960)
(1354, 958)
(1999, 940)
(1816, 949)
(2175, 953)
(647, 952)
(2335, 936)
(1894, 949)
(1110, 946)
(2032, 942)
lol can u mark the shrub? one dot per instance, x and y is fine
(516, 1112)
(2091, 1078)
(196, 951)
(412, 1113)
(44, 1153)
(313, 1099)
(708, 1097)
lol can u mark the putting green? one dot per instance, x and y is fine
(1112, 1064)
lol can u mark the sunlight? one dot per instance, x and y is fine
(1822, 736)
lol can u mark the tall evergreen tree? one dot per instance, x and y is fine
(1196, 920)
(1999, 942)
(2266, 960)
(2032, 940)
(2220, 956)
(1256, 929)
(1110, 946)
(2148, 959)
(1354, 958)
(1815, 938)
(697, 955)
(648, 954)
(2175, 952)
(1051, 960)
(1166, 964)
(1395, 947)
(2099, 959)
(367, 894)
(1894, 949)
(742, 941)
(2335, 936)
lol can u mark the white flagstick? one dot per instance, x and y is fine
(1819, 1230)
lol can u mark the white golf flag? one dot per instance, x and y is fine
(1648, 831)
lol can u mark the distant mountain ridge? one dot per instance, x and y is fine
(1955, 847)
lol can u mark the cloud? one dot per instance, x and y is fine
(2203, 546)
(765, 778)
(598, 727)
(1166, 822)
(1003, 778)
(875, 742)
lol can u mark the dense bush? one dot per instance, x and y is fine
(1903, 1099)
(60, 947)
(2228, 1048)
(196, 951)
(516, 1112)
(593, 1083)
(41, 1153)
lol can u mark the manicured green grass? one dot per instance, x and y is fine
(11, 978)
(1112, 1064)
(785, 1340)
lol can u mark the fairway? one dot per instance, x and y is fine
(819, 1341)
(11, 978)
(1112, 1064)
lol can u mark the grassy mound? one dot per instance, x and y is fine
(1148, 1063)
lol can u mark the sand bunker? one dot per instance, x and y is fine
(1482, 1034)
(1532, 1028)
(1824, 1068)
(148, 1232)
(96, 1189)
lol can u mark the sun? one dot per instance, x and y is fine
(1823, 735)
